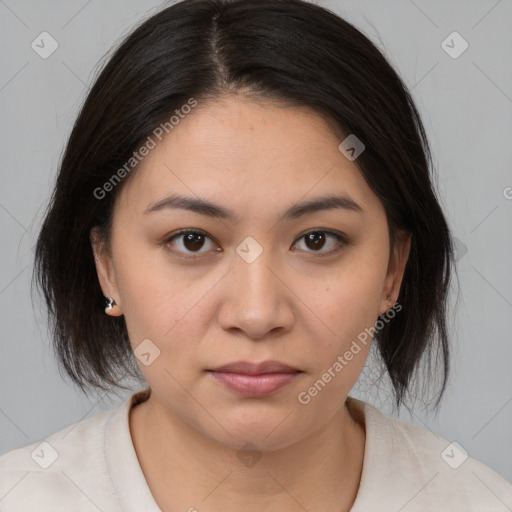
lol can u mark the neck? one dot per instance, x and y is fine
(186, 469)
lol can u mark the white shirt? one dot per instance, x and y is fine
(92, 465)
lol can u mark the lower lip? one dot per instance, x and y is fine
(254, 385)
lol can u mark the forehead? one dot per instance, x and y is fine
(250, 155)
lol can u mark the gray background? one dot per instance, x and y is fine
(466, 105)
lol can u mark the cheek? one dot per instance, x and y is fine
(351, 297)
(347, 301)
(348, 304)
(154, 299)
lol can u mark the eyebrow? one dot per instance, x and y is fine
(210, 209)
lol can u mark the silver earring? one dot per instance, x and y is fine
(110, 304)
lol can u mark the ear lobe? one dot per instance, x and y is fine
(396, 268)
(104, 266)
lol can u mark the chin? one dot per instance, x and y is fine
(267, 431)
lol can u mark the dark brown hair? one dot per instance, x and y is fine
(290, 51)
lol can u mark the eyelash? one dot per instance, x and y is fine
(342, 241)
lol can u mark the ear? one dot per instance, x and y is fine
(396, 267)
(105, 270)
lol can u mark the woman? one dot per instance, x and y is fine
(244, 205)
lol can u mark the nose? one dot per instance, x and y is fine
(256, 300)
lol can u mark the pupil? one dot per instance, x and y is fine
(316, 240)
(193, 241)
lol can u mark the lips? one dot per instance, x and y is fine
(250, 368)
(255, 379)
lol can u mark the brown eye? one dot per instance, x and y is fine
(315, 241)
(189, 242)
(193, 241)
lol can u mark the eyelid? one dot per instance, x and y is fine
(341, 237)
(332, 232)
(168, 239)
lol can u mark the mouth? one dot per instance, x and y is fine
(255, 379)
(251, 368)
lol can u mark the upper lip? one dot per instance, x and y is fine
(251, 368)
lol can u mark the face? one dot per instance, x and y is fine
(268, 280)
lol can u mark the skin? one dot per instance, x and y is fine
(294, 304)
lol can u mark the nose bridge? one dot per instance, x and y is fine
(256, 301)
(255, 281)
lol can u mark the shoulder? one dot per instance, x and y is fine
(65, 471)
(416, 467)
